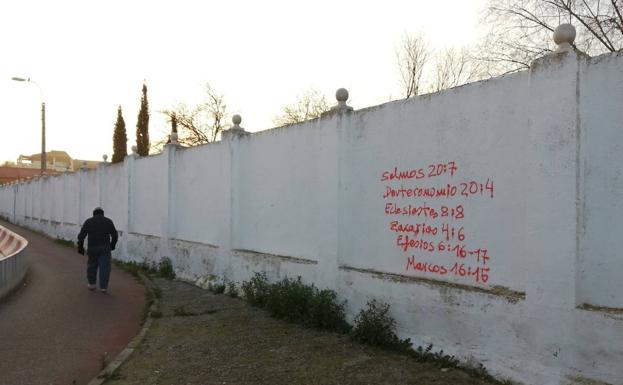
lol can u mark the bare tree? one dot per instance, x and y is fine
(309, 105)
(453, 68)
(200, 124)
(520, 30)
(412, 56)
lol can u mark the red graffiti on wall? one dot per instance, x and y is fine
(421, 226)
(464, 189)
(453, 212)
(430, 171)
(479, 274)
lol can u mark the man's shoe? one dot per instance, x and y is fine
(103, 290)
(91, 287)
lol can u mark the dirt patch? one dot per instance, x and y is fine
(215, 339)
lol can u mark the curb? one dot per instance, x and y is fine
(125, 354)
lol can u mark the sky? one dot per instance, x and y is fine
(88, 58)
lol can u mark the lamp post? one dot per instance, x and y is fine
(43, 156)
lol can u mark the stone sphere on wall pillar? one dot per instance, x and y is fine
(564, 36)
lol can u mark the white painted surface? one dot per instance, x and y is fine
(199, 174)
(280, 205)
(482, 128)
(308, 200)
(601, 119)
(114, 193)
(148, 195)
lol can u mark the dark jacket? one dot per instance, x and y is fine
(102, 234)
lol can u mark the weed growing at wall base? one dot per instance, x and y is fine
(64, 242)
(232, 290)
(135, 268)
(165, 268)
(374, 326)
(218, 288)
(295, 301)
(256, 290)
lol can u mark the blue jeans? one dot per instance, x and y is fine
(99, 260)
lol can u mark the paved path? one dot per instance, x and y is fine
(55, 331)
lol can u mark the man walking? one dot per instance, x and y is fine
(102, 240)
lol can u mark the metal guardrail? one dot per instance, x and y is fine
(13, 260)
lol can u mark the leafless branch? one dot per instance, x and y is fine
(520, 30)
(202, 123)
(454, 68)
(309, 105)
(412, 56)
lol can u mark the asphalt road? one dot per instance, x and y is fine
(53, 331)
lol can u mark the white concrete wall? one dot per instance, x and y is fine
(285, 212)
(518, 265)
(149, 195)
(475, 133)
(201, 192)
(114, 193)
(198, 195)
(601, 122)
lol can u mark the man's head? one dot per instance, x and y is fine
(98, 211)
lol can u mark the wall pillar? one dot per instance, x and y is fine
(129, 169)
(81, 195)
(99, 173)
(169, 218)
(553, 200)
(330, 170)
(229, 214)
(554, 178)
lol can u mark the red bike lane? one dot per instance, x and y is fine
(53, 330)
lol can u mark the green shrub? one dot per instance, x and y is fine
(232, 290)
(219, 288)
(147, 267)
(255, 291)
(438, 358)
(375, 326)
(294, 301)
(289, 299)
(165, 268)
(325, 312)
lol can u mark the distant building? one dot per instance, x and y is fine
(56, 161)
(30, 165)
(11, 173)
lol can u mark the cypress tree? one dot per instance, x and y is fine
(119, 139)
(142, 125)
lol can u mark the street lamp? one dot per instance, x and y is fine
(43, 156)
